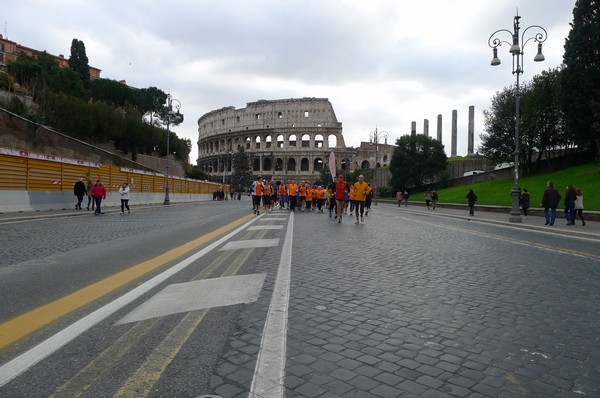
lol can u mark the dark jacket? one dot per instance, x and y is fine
(570, 197)
(472, 198)
(551, 198)
(79, 188)
(525, 200)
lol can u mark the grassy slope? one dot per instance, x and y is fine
(497, 192)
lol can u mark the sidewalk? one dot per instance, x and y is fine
(33, 215)
(533, 222)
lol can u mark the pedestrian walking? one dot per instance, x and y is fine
(79, 190)
(472, 198)
(428, 198)
(88, 188)
(550, 201)
(124, 192)
(98, 193)
(399, 197)
(524, 200)
(570, 197)
(361, 190)
(405, 195)
(434, 199)
(579, 206)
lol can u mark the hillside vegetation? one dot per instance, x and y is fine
(497, 192)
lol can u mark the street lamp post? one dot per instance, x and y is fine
(168, 105)
(374, 137)
(516, 49)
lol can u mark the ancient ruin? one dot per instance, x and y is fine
(285, 139)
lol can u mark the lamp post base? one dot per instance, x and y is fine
(515, 211)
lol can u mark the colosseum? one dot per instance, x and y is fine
(285, 139)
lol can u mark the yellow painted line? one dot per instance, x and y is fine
(141, 382)
(83, 380)
(25, 324)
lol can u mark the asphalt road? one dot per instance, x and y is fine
(408, 303)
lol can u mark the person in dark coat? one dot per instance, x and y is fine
(524, 200)
(471, 198)
(550, 202)
(570, 198)
(80, 191)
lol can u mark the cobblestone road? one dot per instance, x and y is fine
(406, 304)
(409, 305)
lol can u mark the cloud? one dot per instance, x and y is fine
(381, 63)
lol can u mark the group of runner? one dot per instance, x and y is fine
(339, 197)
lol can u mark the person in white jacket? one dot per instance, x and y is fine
(124, 192)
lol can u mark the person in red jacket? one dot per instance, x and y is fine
(341, 189)
(98, 193)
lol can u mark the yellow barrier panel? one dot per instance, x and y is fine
(13, 172)
(23, 173)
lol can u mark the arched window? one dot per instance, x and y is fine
(318, 165)
(292, 140)
(291, 165)
(280, 141)
(332, 140)
(267, 164)
(319, 141)
(304, 164)
(365, 165)
(257, 141)
(268, 141)
(279, 164)
(256, 164)
(305, 141)
(345, 164)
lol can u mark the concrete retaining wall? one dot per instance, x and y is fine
(22, 201)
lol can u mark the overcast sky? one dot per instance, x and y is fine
(381, 63)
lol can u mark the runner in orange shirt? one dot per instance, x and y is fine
(320, 193)
(302, 195)
(293, 193)
(341, 190)
(281, 193)
(309, 197)
(257, 188)
(266, 195)
(361, 190)
(351, 197)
